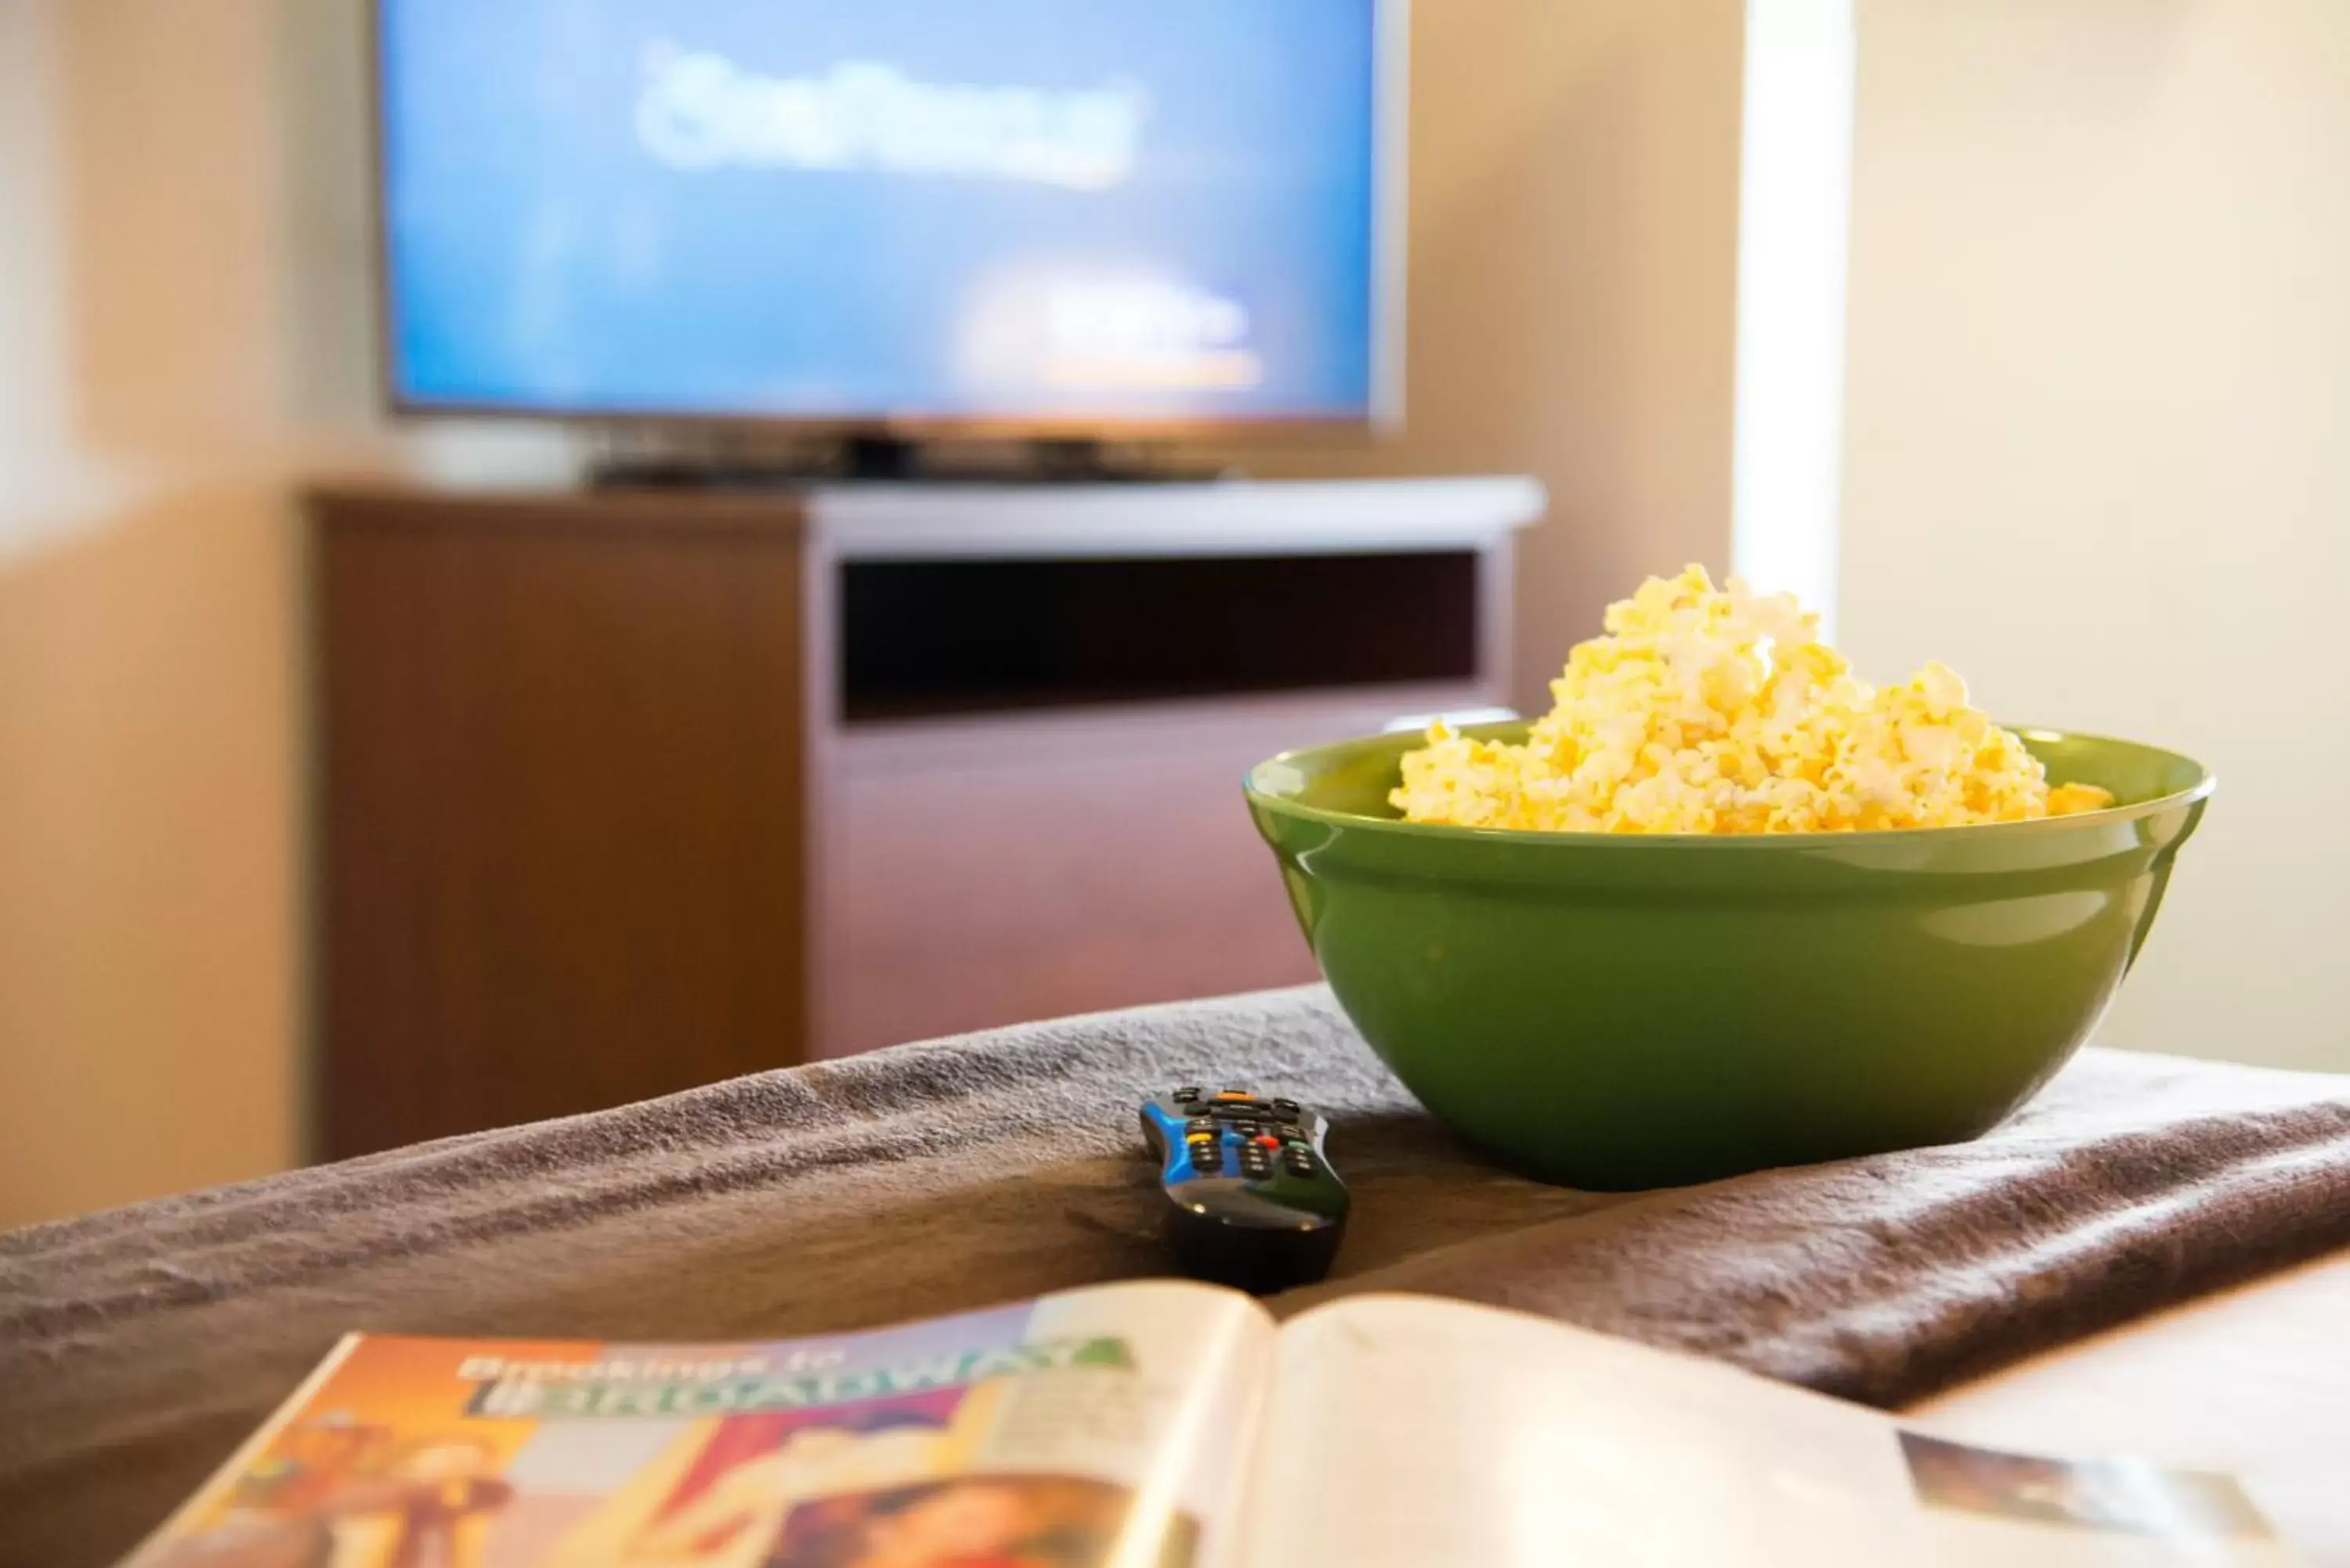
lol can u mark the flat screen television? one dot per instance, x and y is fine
(1075, 218)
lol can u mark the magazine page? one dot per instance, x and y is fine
(1080, 1430)
(1405, 1432)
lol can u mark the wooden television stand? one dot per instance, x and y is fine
(625, 791)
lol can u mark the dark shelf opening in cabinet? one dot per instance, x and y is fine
(927, 639)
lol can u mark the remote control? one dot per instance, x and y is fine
(1252, 1201)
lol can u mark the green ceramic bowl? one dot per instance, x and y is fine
(1620, 1011)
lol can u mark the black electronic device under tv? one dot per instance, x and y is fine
(885, 221)
(861, 458)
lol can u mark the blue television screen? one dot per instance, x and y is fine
(1064, 212)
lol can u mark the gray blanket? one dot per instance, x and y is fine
(138, 1346)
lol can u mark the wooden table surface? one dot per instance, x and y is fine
(2255, 1382)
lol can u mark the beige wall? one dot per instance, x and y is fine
(2098, 437)
(1573, 287)
(146, 610)
(183, 330)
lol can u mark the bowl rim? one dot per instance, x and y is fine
(1730, 843)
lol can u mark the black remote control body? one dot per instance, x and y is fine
(1252, 1201)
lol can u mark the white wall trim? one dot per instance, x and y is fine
(1793, 236)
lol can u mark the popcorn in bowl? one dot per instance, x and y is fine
(1715, 710)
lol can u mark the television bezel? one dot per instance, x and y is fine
(1391, 42)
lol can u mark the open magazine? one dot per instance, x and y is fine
(1156, 1425)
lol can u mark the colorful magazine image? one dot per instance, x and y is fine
(2126, 1495)
(973, 1521)
(945, 1443)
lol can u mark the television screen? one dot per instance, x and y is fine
(1079, 214)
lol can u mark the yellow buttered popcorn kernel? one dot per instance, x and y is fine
(1717, 711)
